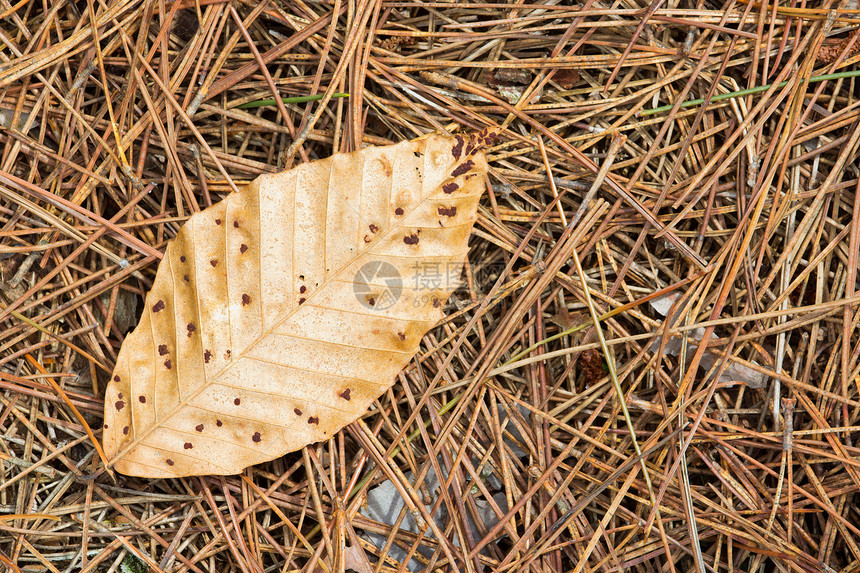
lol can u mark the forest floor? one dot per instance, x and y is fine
(652, 364)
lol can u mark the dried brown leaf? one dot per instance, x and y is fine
(278, 315)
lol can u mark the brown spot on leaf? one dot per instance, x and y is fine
(125, 431)
(158, 307)
(168, 364)
(207, 356)
(105, 426)
(371, 301)
(236, 224)
(228, 354)
(411, 239)
(449, 188)
(116, 378)
(398, 211)
(242, 248)
(182, 259)
(447, 211)
(199, 427)
(463, 168)
(214, 262)
(187, 445)
(436, 303)
(302, 300)
(386, 165)
(303, 289)
(162, 349)
(373, 228)
(246, 299)
(458, 147)
(119, 396)
(219, 423)
(345, 395)
(191, 328)
(119, 405)
(185, 278)
(169, 461)
(366, 239)
(313, 420)
(141, 399)
(401, 335)
(237, 401)
(256, 437)
(217, 221)
(297, 411)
